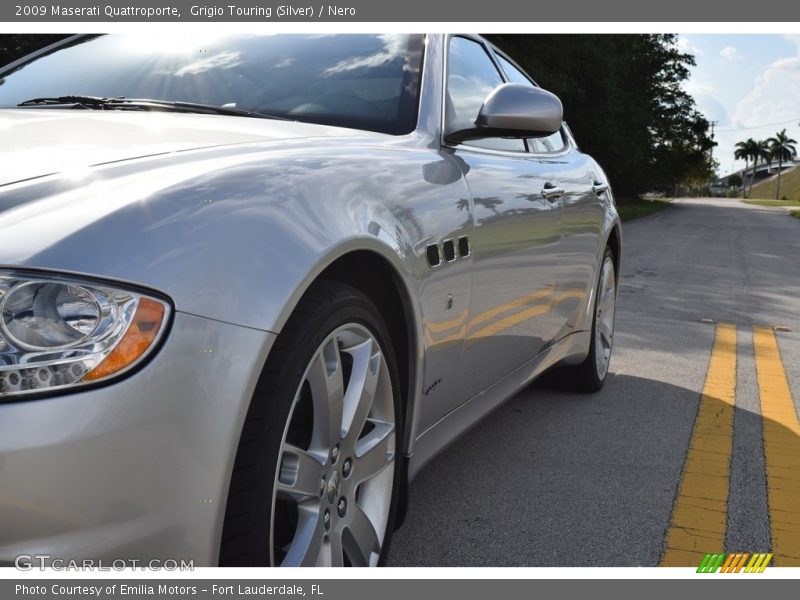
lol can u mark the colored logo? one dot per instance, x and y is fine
(735, 563)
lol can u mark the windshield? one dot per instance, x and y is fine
(360, 81)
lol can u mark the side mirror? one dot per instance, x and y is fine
(513, 110)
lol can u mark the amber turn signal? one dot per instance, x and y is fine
(140, 335)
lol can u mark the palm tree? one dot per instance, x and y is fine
(744, 150)
(783, 148)
(760, 150)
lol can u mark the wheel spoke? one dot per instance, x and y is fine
(605, 341)
(362, 540)
(307, 549)
(361, 388)
(336, 549)
(606, 332)
(606, 318)
(607, 300)
(327, 394)
(300, 474)
(607, 278)
(374, 452)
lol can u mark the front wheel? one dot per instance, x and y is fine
(316, 476)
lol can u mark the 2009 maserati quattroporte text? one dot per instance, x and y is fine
(251, 285)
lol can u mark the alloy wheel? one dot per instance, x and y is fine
(333, 485)
(604, 317)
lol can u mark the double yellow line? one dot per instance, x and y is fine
(781, 448)
(700, 513)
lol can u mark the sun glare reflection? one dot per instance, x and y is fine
(186, 44)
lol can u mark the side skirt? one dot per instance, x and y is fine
(572, 349)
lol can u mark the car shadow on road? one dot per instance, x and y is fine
(559, 479)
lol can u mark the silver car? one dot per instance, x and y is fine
(250, 285)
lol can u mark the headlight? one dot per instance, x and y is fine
(62, 332)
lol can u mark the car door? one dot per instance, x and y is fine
(582, 220)
(581, 215)
(516, 238)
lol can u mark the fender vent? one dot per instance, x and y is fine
(463, 247)
(449, 250)
(432, 252)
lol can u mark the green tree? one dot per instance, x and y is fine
(783, 148)
(744, 150)
(760, 151)
(735, 180)
(623, 99)
(17, 45)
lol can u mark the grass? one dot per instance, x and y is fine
(635, 208)
(790, 186)
(773, 202)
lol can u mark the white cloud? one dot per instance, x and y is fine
(730, 54)
(282, 64)
(773, 97)
(224, 60)
(795, 39)
(684, 45)
(393, 46)
(697, 88)
(713, 109)
(770, 106)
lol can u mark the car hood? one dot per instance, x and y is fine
(40, 142)
(214, 227)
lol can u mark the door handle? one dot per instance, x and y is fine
(599, 187)
(551, 191)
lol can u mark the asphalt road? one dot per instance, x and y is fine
(618, 478)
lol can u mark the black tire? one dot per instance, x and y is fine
(326, 306)
(584, 378)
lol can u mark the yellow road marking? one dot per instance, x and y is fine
(700, 513)
(781, 448)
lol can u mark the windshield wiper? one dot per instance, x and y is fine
(78, 101)
(122, 103)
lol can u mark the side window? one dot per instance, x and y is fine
(513, 73)
(471, 75)
(551, 143)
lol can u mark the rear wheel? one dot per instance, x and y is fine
(590, 375)
(316, 476)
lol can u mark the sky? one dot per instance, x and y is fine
(748, 84)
